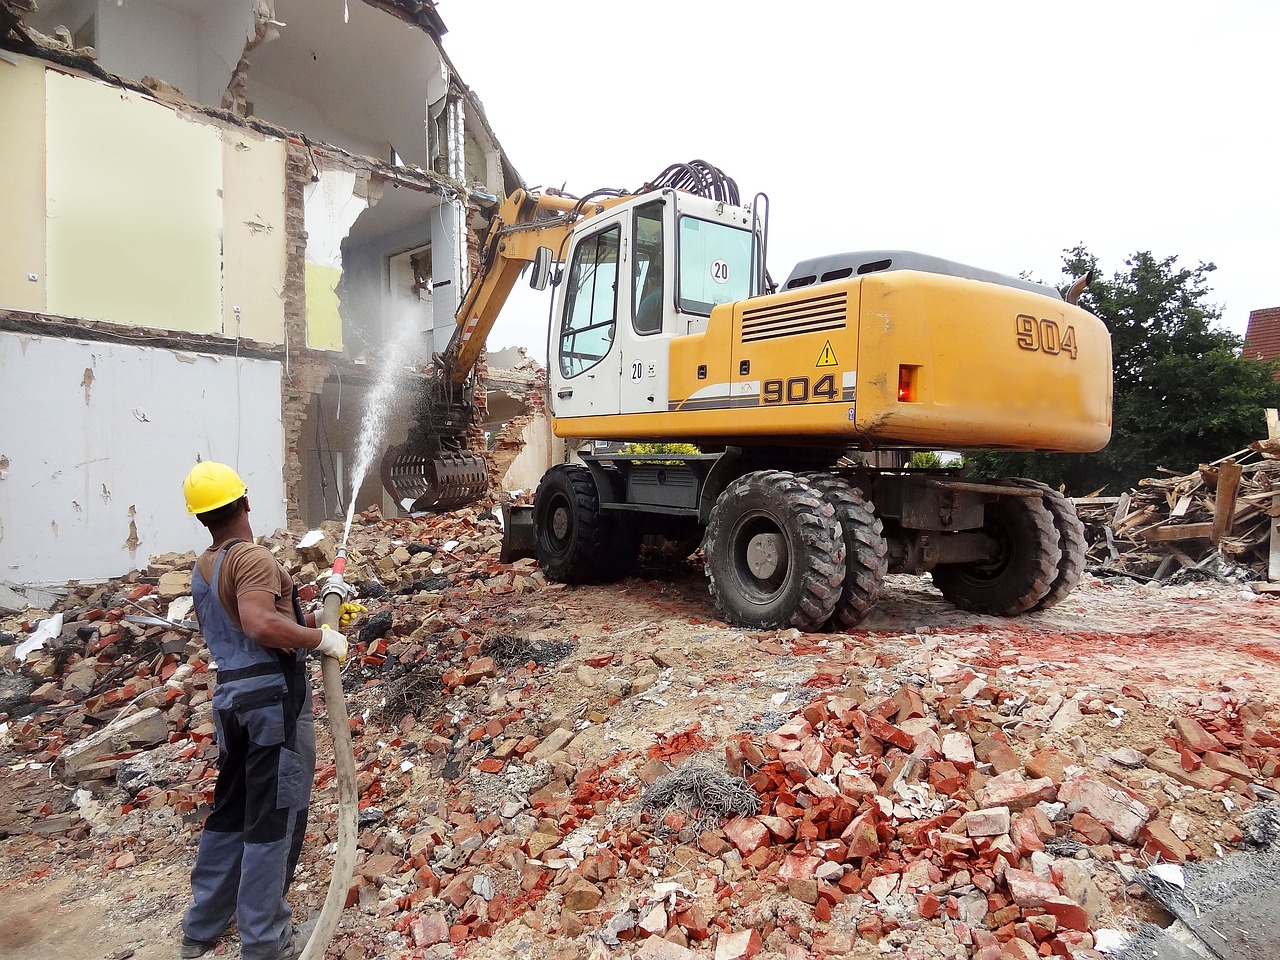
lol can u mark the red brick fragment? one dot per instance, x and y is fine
(1195, 737)
(1159, 839)
(1067, 912)
(747, 834)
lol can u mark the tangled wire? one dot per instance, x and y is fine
(704, 793)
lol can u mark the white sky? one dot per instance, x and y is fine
(996, 134)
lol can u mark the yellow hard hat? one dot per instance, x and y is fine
(211, 485)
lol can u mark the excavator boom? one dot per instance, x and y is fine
(433, 470)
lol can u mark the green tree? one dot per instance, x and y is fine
(1183, 393)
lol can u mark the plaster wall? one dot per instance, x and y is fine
(147, 38)
(97, 438)
(448, 256)
(22, 189)
(134, 212)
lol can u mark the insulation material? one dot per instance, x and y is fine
(134, 209)
(98, 489)
(330, 209)
(253, 192)
(22, 186)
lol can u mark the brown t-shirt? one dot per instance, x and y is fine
(248, 567)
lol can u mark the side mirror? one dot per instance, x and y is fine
(541, 274)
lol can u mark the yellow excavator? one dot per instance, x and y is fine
(666, 327)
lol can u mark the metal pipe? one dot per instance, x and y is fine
(344, 760)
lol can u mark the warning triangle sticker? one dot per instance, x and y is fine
(828, 356)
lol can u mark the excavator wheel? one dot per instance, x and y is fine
(866, 554)
(775, 553)
(1070, 541)
(1024, 571)
(571, 537)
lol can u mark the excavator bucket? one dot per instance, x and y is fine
(424, 481)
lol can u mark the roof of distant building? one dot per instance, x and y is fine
(1262, 340)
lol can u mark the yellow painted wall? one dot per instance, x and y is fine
(22, 236)
(253, 191)
(324, 322)
(133, 206)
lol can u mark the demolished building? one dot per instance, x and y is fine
(219, 216)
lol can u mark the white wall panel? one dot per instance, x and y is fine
(96, 438)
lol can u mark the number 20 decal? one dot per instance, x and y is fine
(1045, 335)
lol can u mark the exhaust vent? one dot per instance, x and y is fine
(826, 312)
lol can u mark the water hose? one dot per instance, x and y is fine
(333, 593)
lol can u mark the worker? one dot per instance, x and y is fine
(258, 636)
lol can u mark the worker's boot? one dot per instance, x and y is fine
(196, 948)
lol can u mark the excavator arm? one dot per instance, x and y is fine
(433, 469)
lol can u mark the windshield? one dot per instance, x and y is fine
(715, 264)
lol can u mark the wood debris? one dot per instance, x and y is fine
(1219, 521)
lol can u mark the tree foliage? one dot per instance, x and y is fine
(1183, 394)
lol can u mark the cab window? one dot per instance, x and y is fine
(647, 274)
(715, 264)
(591, 303)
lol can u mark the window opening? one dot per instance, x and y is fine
(591, 305)
(647, 270)
(715, 265)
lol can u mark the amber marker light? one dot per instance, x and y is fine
(906, 384)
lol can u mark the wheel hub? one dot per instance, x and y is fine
(766, 555)
(560, 523)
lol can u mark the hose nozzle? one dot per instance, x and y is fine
(335, 583)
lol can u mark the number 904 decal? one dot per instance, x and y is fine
(1045, 336)
(799, 390)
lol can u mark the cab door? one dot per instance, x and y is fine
(649, 311)
(584, 345)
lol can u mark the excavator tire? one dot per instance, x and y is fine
(866, 554)
(571, 538)
(1018, 579)
(1070, 541)
(775, 553)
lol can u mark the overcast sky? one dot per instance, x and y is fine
(996, 134)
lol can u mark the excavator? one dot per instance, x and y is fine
(667, 328)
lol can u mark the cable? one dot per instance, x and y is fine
(697, 177)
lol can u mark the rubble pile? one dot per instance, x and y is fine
(536, 784)
(1215, 522)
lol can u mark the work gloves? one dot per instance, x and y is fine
(332, 644)
(348, 612)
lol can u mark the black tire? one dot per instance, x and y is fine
(792, 578)
(571, 538)
(1021, 575)
(1070, 541)
(866, 553)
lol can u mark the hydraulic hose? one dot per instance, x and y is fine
(344, 761)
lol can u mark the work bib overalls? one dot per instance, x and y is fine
(265, 730)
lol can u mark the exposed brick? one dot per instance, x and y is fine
(957, 749)
(1027, 889)
(747, 834)
(1122, 815)
(987, 823)
(1014, 791)
(1067, 912)
(1169, 763)
(1196, 737)
(738, 945)
(1159, 839)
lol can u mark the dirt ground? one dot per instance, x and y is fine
(1160, 651)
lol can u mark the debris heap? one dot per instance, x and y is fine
(1216, 522)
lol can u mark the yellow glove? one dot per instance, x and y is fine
(348, 612)
(332, 644)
